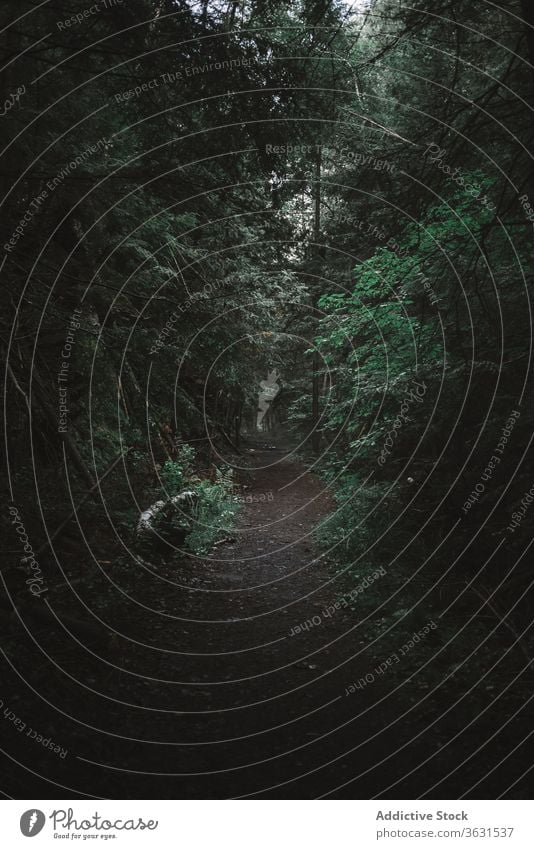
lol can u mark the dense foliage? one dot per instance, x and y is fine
(328, 203)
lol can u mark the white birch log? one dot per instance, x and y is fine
(166, 517)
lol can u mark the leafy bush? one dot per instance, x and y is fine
(362, 515)
(176, 474)
(213, 517)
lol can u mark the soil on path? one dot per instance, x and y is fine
(215, 690)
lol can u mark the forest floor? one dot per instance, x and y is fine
(214, 690)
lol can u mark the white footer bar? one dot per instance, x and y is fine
(269, 824)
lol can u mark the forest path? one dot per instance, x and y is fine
(214, 689)
(254, 704)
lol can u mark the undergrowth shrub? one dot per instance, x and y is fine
(212, 517)
(215, 512)
(176, 474)
(361, 516)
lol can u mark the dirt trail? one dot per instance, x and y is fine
(209, 694)
(261, 712)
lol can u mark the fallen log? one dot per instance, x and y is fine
(169, 520)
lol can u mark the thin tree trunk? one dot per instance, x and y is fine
(527, 8)
(68, 442)
(316, 436)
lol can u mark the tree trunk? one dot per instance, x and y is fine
(527, 8)
(316, 436)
